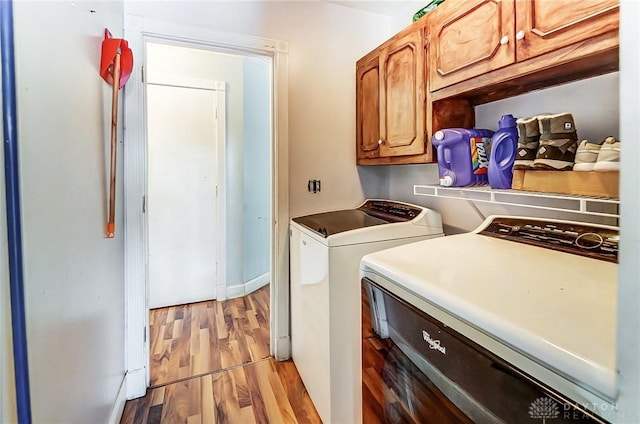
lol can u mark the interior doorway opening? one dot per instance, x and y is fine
(257, 51)
(208, 209)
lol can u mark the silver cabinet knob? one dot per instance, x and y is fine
(520, 35)
(380, 142)
(504, 40)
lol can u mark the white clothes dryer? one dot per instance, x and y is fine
(512, 322)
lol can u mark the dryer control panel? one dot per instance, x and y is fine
(598, 242)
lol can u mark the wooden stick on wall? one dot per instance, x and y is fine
(111, 222)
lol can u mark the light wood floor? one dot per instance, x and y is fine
(210, 363)
(198, 338)
(266, 391)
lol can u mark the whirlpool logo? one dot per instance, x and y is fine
(433, 344)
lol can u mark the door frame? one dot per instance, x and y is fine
(137, 31)
(220, 163)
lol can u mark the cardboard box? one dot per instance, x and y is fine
(598, 184)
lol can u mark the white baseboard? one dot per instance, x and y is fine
(282, 348)
(221, 292)
(240, 290)
(118, 406)
(136, 383)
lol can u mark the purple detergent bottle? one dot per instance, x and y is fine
(463, 156)
(504, 145)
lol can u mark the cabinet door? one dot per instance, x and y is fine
(470, 38)
(402, 96)
(543, 26)
(368, 107)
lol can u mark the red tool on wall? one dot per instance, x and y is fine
(116, 64)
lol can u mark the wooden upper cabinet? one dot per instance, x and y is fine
(390, 101)
(402, 97)
(484, 48)
(368, 108)
(470, 38)
(543, 26)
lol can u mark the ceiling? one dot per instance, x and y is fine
(387, 7)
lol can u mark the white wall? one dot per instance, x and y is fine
(593, 103)
(404, 15)
(256, 213)
(73, 275)
(325, 40)
(628, 289)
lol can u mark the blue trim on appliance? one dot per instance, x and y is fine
(14, 232)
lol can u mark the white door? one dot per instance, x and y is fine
(181, 205)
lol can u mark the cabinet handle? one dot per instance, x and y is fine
(520, 35)
(380, 142)
(504, 40)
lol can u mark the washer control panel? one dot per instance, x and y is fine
(598, 242)
(389, 210)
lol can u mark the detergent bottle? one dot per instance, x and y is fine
(463, 156)
(504, 145)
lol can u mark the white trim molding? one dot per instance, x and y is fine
(279, 292)
(628, 322)
(135, 234)
(118, 406)
(221, 190)
(137, 30)
(249, 287)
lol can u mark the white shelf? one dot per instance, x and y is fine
(598, 206)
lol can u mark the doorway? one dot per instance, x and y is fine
(139, 32)
(197, 125)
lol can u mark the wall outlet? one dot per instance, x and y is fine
(313, 186)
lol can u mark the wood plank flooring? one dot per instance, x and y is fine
(210, 363)
(265, 391)
(199, 338)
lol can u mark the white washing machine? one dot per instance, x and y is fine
(325, 253)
